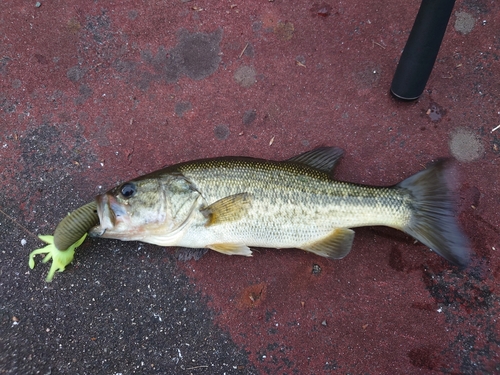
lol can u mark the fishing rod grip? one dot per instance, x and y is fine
(422, 47)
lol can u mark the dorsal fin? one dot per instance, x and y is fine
(323, 158)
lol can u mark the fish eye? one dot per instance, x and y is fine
(128, 190)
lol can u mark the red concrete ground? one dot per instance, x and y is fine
(95, 93)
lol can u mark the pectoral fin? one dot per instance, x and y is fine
(227, 209)
(334, 246)
(231, 249)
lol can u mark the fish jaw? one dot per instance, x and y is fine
(119, 221)
(112, 216)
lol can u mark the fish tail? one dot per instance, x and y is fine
(433, 220)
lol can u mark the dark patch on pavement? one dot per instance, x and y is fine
(85, 93)
(479, 6)
(196, 55)
(426, 357)
(4, 61)
(249, 116)
(471, 293)
(50, 156)
(222, 132)
(75, 73)
(182, 107)
(146, 319)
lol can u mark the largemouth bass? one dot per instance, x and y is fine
(231, 204)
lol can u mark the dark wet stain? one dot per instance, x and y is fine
(99, 27)
(435, 112)
(249, 50)
(396, 261)
(427, 357)
(182, 107)
(249, 116)
(85, 93)
(64, 117)
(41, 59)
(198, 53)
(368, 77)
(165, 65)
(7, 105)
(257, 26)
(75, 73)
(479, 6)
(16, 83)
(132, 15)
(222, 132)
(4, 61)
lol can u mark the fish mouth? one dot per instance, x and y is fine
(110, 213)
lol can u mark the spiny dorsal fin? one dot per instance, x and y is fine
(231, 249)
(334, 246)
(227, 209)
(323, 158)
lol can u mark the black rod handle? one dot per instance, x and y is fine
(422, 47)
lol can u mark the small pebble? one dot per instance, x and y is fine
(38, 4)
(23, 242)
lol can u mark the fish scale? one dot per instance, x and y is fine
(292, 204)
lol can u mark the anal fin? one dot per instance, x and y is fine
(228, 209)
(231, 249)
(335, 245)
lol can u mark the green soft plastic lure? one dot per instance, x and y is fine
(69, 234)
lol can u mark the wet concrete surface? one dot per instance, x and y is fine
(95, 93)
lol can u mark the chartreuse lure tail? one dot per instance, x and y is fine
(69, 234)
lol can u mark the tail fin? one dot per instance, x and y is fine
(433, 220)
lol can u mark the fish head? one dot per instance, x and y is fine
(132, 211)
